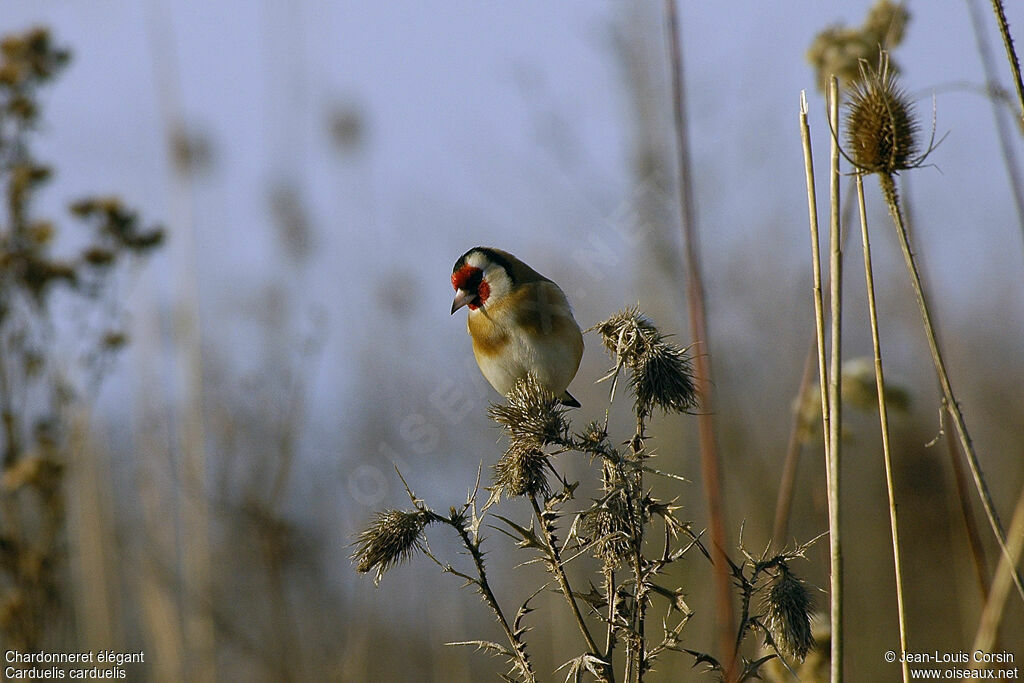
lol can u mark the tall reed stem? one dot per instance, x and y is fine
(787, 480)
(883, 420)
(835, 392)
(892, 200)
(710, 474)
(819, 306)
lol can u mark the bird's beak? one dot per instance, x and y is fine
(462, 297)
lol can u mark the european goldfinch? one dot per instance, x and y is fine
(519, 320)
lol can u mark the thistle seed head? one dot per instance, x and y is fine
(660, 372)
(390, 539)
(627, 335)
(663, 378)
(607, 525)
(532, 417)
(788, 607)
(881, 127)
(521, 471)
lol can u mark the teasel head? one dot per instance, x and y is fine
(533, 416)
(522, 471)
(881, 126)
(788, 609)
(391, 539)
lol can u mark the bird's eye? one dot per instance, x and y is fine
(467, 278)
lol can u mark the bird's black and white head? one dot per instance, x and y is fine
(481, 276)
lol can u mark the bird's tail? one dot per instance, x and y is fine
(568, 400)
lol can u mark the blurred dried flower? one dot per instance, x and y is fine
(881, 128)
(43, 473)
(347, 127)
(521, 471)
(191, 150)
(392, 538)
(291, 220)
(114, 340)
(838, 50)
(860, 389)
(533, 415)
(788, 608)
(97, 256)
(41, 233)
(117, 223)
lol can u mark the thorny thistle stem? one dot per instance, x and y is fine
(518, 646)
(883, 420)
(557, 568)
(949, 398)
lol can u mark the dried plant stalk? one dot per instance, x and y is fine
(949, 398)
(992, 614)
(883, 420)
(835, 392)
(710, 474)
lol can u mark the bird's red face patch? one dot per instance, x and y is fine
(462, 276)
(471, 279)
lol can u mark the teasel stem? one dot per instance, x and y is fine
(992, 614)
(555, 561)
(832, 453)
(1003, 133)
(949, 399)
(883, 420)
(981, 570)
(710, 470)
(1011, 56)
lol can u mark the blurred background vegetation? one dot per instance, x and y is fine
(197, 420)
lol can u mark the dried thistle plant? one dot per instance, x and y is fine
(788, 608)
(660, 372)
(532, 416)
(522, 471)
(38, 385)
(391, 539)
(617, 526)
